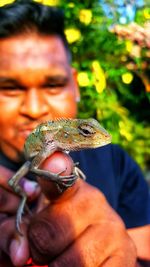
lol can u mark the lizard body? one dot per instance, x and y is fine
(51, 136)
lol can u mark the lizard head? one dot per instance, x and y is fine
(91, 130)
(78, 134)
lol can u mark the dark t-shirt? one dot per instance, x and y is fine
(110, 169)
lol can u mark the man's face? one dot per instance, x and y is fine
(36, 84)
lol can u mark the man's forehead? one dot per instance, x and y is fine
(31, 51)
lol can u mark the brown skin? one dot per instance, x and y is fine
(39, 73)
(70, 227)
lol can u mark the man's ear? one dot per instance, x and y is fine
(77, 91)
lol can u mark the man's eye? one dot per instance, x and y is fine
(7, 87)
(11, 87)
(54, 85)
(54, 88)
(9, 90)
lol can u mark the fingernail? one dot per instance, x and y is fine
(31, 187)
(14, 249)
(18, 252)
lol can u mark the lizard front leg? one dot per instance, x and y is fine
(14, 183)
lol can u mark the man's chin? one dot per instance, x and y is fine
(13, 151)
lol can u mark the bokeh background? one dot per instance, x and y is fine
(110, 44)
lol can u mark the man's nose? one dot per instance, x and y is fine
(34, 104)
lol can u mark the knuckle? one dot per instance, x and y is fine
(8, 201)
(2, 197)
(47, 237)
(7, 226)
(130, 252)
(131, 246)
(3, 217)
(127, 247)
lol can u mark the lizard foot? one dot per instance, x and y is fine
(78, 172)
(64, 181)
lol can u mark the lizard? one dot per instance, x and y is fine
(56, 135)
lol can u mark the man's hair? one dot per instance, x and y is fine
(24, 16)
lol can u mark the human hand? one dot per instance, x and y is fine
(14, 249)
(79, 229)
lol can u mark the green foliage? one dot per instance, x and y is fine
(116, 106)
(102, 60)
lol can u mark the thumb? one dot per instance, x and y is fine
(57, 163)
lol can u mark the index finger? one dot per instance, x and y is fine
(5, 175)
(30, 187)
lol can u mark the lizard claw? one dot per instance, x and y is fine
(19, 215)
(62, 181)
(18, 223)
(66, 181)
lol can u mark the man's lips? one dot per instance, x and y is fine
(27, 127)
(25, 133)
(26, 130)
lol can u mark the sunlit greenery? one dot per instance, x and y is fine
(114, 84)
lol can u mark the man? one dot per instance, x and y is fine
(79, 227)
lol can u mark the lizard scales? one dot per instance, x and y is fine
(66, 134)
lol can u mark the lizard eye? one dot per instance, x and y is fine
(66, 135)
(86, 130)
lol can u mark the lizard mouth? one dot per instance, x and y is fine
(101, 142)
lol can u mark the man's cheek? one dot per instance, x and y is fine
(9, 136)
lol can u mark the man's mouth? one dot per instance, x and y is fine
(26, 130)
(25, 133)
